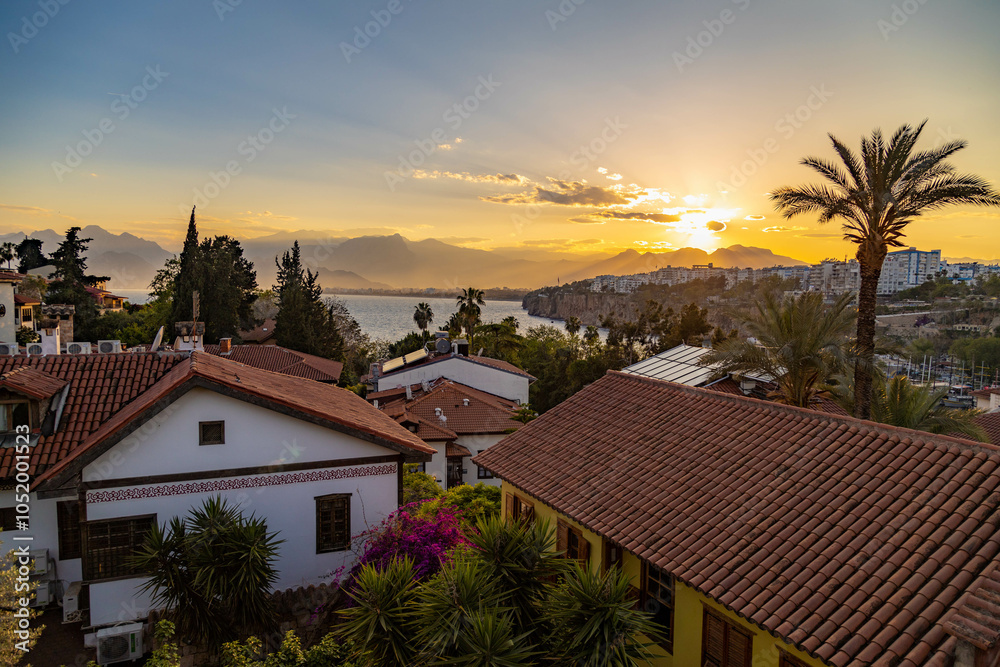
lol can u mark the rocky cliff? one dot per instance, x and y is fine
(588, 307)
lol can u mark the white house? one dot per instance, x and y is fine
(120, 441)
(494, 376)
(458, 421)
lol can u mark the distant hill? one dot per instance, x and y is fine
(387, 262)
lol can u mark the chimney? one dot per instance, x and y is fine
(225, 345)
(375, 403)
(465, 402)
(409, 393)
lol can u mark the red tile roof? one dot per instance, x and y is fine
(31, 382)
(282, 360)
(977, 621)
(846, 538)
(11, 277)
(990, 422)
(313, 399)
(484, 413)
(985, 392)
(261, 334)
(22, 300)
(100, 386)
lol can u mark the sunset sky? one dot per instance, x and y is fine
(580, 125)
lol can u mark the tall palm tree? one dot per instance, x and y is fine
(799, 343)
(573, 325)
(468, 307)
(423, 315)
(875, 195)
(7, 252)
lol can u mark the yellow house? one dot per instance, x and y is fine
(761, 535)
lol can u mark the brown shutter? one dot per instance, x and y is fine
(510, 507)
(562, 536)
(713, 643)
(739, 650)
(527, 513)
(584, 551)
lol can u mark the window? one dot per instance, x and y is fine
(68, 517)
(212, 433)
(571, 542)
(613, 555)
(14, 414)
(724, 644)
(333, 522)
(8, 518)
(483, 473)
(658, 600)
(788, 661)
(419, 467)
(110, 545)
(519, 510)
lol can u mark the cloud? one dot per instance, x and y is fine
(600, 217)
(820, 235)
(36, 210)
(256, 218)
(461, 240)
(602, 170)
(970, 236)
(567, 193)
(715, 226)
(754, 217)
(614, 177)
(767, 230)
(498, 179)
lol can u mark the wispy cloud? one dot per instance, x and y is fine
(602, 216)
(754, 217)
(566, 193)
(36, 210)
(779, 228)
(497, 179)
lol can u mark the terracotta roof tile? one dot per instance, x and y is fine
(467, 411)
(32, 382)
(282, 360)
(859, 543)
(259, 335)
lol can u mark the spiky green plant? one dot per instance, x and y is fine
(490, 640)
(594, 622)
(380, 618)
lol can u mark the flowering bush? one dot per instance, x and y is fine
(426, 539)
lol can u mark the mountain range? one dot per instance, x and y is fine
(384, 262)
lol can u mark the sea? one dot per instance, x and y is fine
(391, 317)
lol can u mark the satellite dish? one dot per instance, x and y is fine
(157, 339)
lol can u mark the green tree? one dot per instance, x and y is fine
(572, 325)
(7, 253)
(423, 315)
(71, 280)
(304, 322)
(379, 619)
(29, 255)
(798, 342)
(214, 571)
(419, 486)
(469, 302)
(14, 647)
(875, 195)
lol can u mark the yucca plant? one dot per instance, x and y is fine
(594, 622)
(380, 618)
(490, 640)
(214, 570)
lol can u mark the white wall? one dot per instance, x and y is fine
(255, 436)
(7, 328)
(478, 376)
(288, 508)
(437, 467)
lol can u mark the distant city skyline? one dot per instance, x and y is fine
(572, 125)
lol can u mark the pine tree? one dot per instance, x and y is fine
(29, 255)
(189, 277)
(71, 280)
(304, 322)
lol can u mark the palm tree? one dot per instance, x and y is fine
(799, 343)
(875, 195)
(423, 315)
(899, 402)
(7, 252)
(468, 307)
(573, 325)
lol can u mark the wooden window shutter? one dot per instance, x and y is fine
(527, 513)
(788, 661)
(510, 506)
(738, 649)
(584, 551)
(713, 643)
(562, 535)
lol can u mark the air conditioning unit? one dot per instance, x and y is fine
(119, 644)
(77, 348)
(40, 557)
(109, 346)
(71, 603)
(9, 349)
(41, 596)
(35, 349)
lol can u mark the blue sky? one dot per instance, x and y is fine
(682, 100)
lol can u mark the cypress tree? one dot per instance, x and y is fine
(70, 283)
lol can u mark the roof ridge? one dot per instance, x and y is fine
(883, 429)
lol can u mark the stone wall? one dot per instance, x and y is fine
(308, 611)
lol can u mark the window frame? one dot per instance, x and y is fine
(481, 472)
(202, 442)
(135, 540)
(329, 544)
(519, 509)
(650, 602)
(789, 660)
(568, 537)
(68, 527)
(8, 405)
(729, 628)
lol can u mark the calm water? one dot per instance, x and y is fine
(391, 317)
